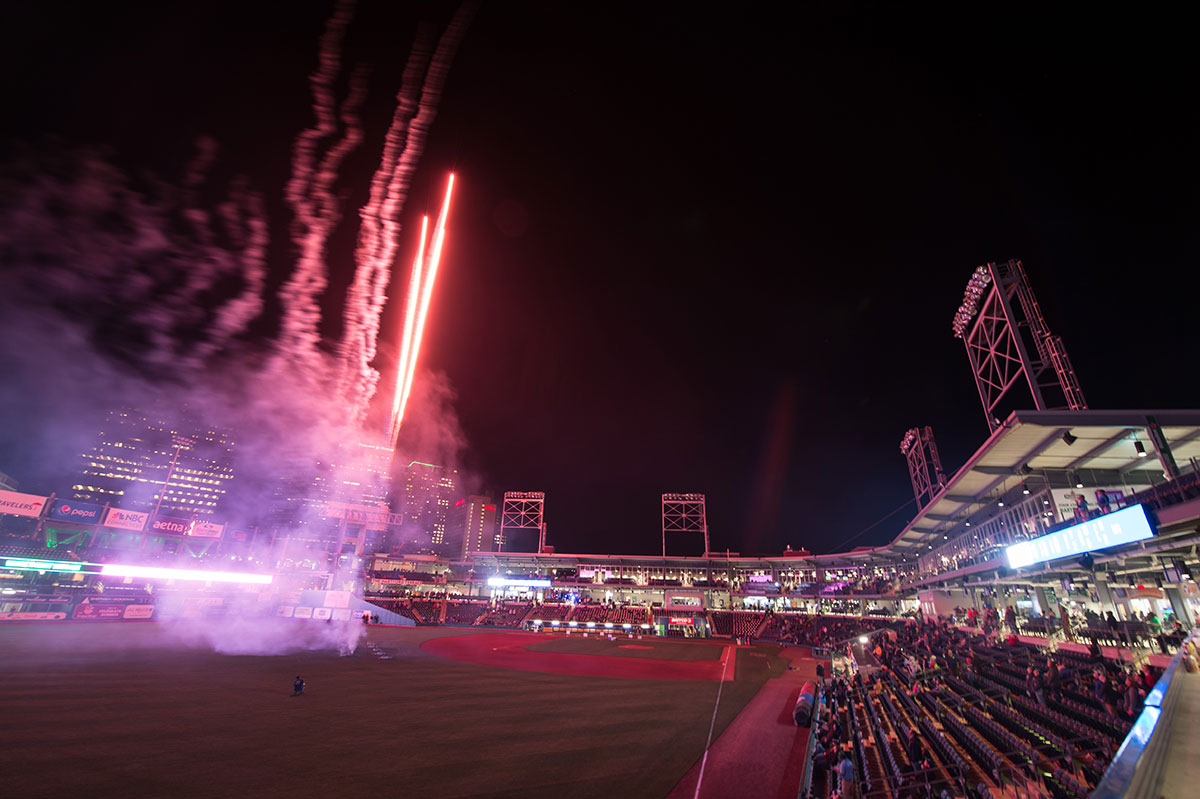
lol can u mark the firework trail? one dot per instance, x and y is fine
(310, 196)
(424, 275)
(376, 241)
(379, 233)
(246, 226)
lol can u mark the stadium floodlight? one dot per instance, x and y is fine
(627, 626)
(645, 626)
(591, 624)
(1141, 450)
(572, 624)
(608, 625)
(36, 565)
(554, 623)
(862, 639)
(200, 575)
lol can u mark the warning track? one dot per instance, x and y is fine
(509, 650)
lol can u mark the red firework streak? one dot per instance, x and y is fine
(420, 290)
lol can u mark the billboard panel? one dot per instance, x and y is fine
(206, 529)
(171, 525)
(125, 519)
(87, 610)
(71, 511)
(16, 504)
(1122, 527)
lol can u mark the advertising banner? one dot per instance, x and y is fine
(70, 511)
(303, 613)
(206, 529)
(322, 613)
(138, 611)
(285, 610)
(90, 611)
(16, 504)
(337, 599)
(171, 526)
(686, 620)
(125, 519)
(29, 615)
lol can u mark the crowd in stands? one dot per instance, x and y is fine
(1146, 630)
(954, 713)
(505, 614)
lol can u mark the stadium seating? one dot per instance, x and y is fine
(464, 612)
(735, 623)
(509, 614)
(551, 612)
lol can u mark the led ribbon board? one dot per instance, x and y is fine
(157, 573)
(1123, 527)
(505, 582)
(34, 565)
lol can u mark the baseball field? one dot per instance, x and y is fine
(140, 710)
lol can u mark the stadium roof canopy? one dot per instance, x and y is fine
(1058, 446)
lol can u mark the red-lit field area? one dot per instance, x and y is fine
(143, 710)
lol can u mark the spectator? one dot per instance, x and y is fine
(1112, 699)
(846, 776)
(1103, 503)
(1081, 508)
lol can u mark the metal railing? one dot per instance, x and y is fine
(1137, 770)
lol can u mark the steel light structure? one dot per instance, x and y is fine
(523, 510)
(920, 450)
(684, 513)
(1007, 339)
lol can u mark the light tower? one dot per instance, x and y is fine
(1007, 338)
(523, 510)
(683, 513)
(920, 450)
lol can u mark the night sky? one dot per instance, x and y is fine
(698, 249)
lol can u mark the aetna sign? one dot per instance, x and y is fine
(167, 524)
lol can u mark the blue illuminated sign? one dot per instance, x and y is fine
(1123, 527)
(71, 511)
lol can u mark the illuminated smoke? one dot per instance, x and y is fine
(309, 193)
(416, 107)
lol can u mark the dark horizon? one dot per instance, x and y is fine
(712, 252)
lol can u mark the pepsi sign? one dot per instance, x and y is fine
(70, 511)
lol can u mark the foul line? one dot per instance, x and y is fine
(713, 724)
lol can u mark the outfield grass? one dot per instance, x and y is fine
(124, 710)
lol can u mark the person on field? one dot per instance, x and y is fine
(298, 686)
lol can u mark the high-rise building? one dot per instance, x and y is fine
(147, 460)
(424, 496)
(473, 526)
(313, 497)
